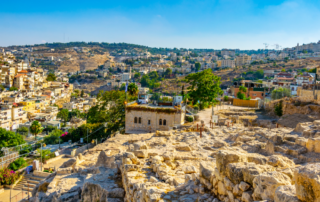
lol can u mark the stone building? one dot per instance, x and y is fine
(150, 118)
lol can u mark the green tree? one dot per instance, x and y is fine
(13, 88)
(51, 77)
(283, 70)
(23, 130)
(205, 86)
(145, 81)
(36, 129)
(197, 66)
(137, 75)
(113, 113)
(241, 94)
(182, 91)
(122, 87)
(63, 114)
(278, 109)
(9, 138)
(133, 89)
(53, 137)
(168, 72)
(82, 93)
(280, 93)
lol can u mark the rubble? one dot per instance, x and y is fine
(227, 164)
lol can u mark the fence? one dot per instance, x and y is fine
(22, 194)
(245, 103)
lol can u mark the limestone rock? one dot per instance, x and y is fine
(183, 148)
(207, 169)
(266, 184)
(270, 148)
(244, 186)
(257, 158)
(246, 197)
(280, 161)
(104, 160)
(219, 143)
(286, 194)
(189, 169)
(224, 157)
(141, 153)
(313, 145)
(307, 182)
(228, 184)
(68, 163)
(221, 188)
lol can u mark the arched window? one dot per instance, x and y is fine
(140, 120)
(135, 120)
(160, 122)
(164, 122)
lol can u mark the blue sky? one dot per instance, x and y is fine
(244, 24)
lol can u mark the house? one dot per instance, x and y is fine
(304, 79)
(150, 118)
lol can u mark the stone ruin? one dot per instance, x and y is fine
(229, 164)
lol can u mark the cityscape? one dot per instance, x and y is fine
(155, 113)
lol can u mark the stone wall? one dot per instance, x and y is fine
(6, 160)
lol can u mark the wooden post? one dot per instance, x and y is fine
(197, 126)
(200, 132)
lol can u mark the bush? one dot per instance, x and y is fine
(45, 154)
(189, 118)
(7, 176)
(17, 164)
(196, 107)
(225, 98)
(278, 109)
(53, 137)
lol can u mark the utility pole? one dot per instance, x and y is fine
(87, 138)
(314, 87)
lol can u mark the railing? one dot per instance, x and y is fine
(191, 110)
(19, 196)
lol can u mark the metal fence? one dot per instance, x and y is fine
(22, 194)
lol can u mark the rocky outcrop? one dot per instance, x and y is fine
(307, 182)
(227, 164)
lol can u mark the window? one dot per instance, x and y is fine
(149, 122)
(160, 122)
(164, 122)
(135, 119)
(140, 120)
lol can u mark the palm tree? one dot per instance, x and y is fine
(133, 89)
(36, 129)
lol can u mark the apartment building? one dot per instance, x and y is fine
(228, 63)
(227, 52)
(243, 60)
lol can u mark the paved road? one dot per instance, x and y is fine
(54, 147)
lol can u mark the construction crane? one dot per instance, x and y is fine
(266, 45)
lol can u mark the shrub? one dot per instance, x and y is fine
(7, 176)
(17, 164)
(45, 154)
(53, 137)
(278, 109)
(190, 119)
(225, 98)
(196, 107)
